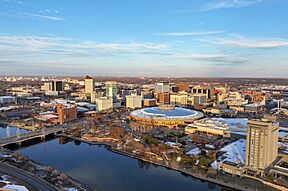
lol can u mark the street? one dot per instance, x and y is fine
(33, 181)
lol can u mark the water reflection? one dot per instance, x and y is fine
(8, 131)
(104, 170)
(144, 165)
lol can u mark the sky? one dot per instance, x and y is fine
(167, 38)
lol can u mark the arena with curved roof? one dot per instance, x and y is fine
(165, 115)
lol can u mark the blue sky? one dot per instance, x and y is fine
(199, 38)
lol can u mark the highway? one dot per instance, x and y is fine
(33, 181)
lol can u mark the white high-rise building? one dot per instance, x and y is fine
(162, 87)
(103, 103)
(47, 86)
(89, 85)
(133, 101)
(261, 144)
(111, 90)
(199, 99)
(179, 100)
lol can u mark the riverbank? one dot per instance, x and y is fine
(225, 181)
(39, 176)
(27, 179)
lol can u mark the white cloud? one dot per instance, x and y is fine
(32, 16)
(120, 46)
(12, 1)
(204, 56)
(224, 4)
(190, 33)
(27, 43)
(241, 42)
(220, 59)
(65, 46)
(38, 16)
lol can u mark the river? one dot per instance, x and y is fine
(104, 170)
(8, 131)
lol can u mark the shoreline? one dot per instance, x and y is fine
(218, 182)
(191, 174)
(73, 182)
(10, 168)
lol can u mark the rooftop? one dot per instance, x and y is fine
(234, 152)
(167, 114)
(88, 77)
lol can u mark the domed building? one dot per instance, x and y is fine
(165, 115)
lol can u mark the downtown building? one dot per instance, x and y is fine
(7, 100)
(185, 100)
(179, 100)
(66, 113)
(111, 90)
(53, 86)
(205, 90)
(133, 101)
(103, 103)
(261, 145)
(162, 87)
(183, 87)
(149, 102)
(163, 98)
(197, 99)
(256, 155)
(89, 86)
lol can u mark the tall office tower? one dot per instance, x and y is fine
(53, 86)
(261, 144)
(111, 90)
(89, 85)
(57, 86)
(47, 86)
(162, 87)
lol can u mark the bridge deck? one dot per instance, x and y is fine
(29, 135)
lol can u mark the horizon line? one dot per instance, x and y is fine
(109, 76)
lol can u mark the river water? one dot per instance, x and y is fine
(8, 131)
(102, 169)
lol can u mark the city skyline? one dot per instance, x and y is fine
(223, 38)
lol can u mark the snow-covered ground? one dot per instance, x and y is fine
(196, 151)
(232, 125)
(283, 134)
(233, 122)
(173, 144)
(234, 152)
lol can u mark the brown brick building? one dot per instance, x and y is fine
(149, 102)
(66, 113)
(163, 98)
(183, 87)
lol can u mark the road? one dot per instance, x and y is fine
(33, 181)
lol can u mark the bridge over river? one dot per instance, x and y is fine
(19, 138)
